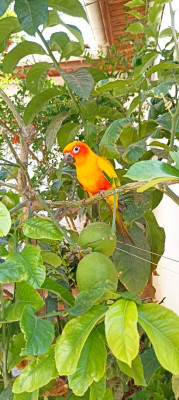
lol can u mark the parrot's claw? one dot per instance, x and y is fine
(84, 199)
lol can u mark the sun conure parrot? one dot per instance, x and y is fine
(95, 174)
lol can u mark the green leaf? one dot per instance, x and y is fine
(107, 146)
(33, 265)
(150, 363)
(151, 169)
(137, 205)
(135, 371)
(58, 41)
(38, 333)
(135, 3)
(41, 228)
(38, 103)
(51, 258)
(98, 389)
(25, 295)
(108, 395)
(132, 266)
(175, 156)
(20, 51)
(91, 364)
(175, 385)
(15, 345)
(5, 220)
(162, 326)
(73, 338)
(6, 394)
(121, 86)
(80, 81)
(7, 26)
(36, 77)
(27, 396)
(4, 5)
(155, 236)
(128, 136)
(141, 395)
(165, 121)
(31, 14)
(37, 374)
(135, 28)
(59, 290)
(134, 151)
(161, 67)
(86, 299)
(65, 133)
(13, 269)
(134, 103)
(71, 49)
(53, 128)
(121, 330)
(70, 7)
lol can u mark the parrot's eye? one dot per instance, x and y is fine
(76, 149)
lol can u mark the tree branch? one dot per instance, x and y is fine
(13, 109)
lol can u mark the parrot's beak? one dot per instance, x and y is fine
(69, 159)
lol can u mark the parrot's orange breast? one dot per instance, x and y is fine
(92, 177)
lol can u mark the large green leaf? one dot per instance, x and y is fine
(38, 333)
(59, 290)
(4, 5)
(26, 396)
(137, 205)
(135, 371)
(135, 28)
(165, 120)
(132, 265)
(70, 7)
(5, 220)
(34, 265)
(151, 169)
(134, 152)
(7, 26)
(80, 81)
(107, 146)
(161, 67)
(38, 103)
(98, 389)
(86, 299)
(58, 41)
(15, 345)
(73, 338)
(121, 330)
(36, 77)
(71, 49)
(122, 86)
(53, 128)
(13, 269)
(64, 134)
(91, 364)
(51, 258)
(54, 19)
(37, 374)
(21, 50)
(150, 363)
(155, 236)
(31, 14)
(25, 295)
(41, 228)
(162, 327)
(135, 3)
(128, 135)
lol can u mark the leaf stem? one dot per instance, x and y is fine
(171, 194)
(4, 343)
(172, 14)
(174, 124)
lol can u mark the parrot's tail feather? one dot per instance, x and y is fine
(122, 228)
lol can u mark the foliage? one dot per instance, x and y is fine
(104, 342)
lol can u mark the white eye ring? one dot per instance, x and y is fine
(76, 149)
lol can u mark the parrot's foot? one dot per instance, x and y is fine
(101, 193)
(84, 199)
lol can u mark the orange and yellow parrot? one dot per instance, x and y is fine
(95, 174)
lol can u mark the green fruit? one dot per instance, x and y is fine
(93, 269)
(97, 237)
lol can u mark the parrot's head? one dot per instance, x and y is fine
(76, 153)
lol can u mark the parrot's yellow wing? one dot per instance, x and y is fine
(108, 170)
